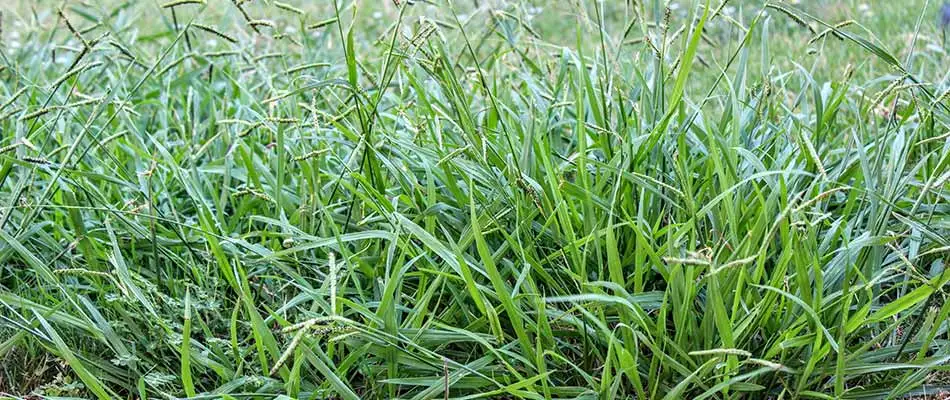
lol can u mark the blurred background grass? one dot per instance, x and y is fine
(901, 27)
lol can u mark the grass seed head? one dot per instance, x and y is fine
(288, 7)
(176, 3)
(215, 31)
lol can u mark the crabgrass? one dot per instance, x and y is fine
(253, 199)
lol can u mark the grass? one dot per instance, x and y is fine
(474, 199)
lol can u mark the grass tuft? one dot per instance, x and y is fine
(418, 200)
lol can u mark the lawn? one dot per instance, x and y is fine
(581, 199)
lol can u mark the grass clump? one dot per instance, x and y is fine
(232, 199)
